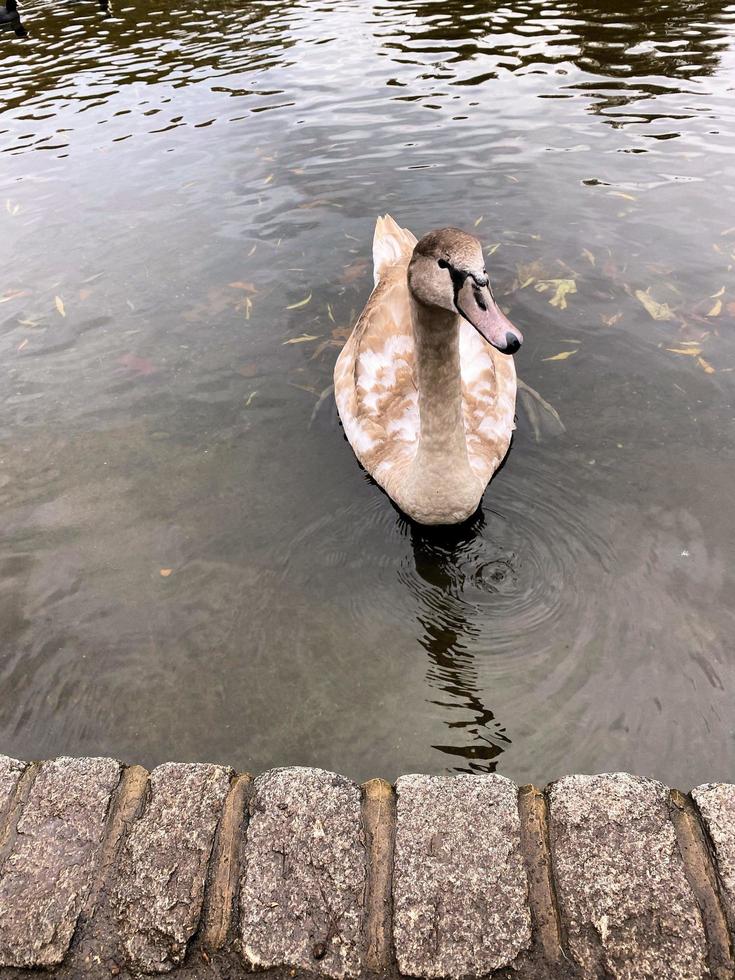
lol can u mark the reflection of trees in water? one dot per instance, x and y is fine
(617, 40)
(440, 557)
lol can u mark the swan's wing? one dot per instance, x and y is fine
(392, 246)
(489, 396)
(375, 389)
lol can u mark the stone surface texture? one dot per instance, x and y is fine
(459, 885)
(716, 804)
(303, 881)
(48, 873)
(625, 901)
(156, 896)
(10, 772)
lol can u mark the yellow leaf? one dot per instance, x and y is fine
(165, 572)
(250, 398)
(659, 311)
(269, 179)
(719, 292)
(479, 220)
(330, 314)
(716, 309)
(302, 339)
(60, 305)
(705, 366)
(527, 282)
(693, 351)
(562, 288)
(302, 302)
(561, 356)
(628, 197)
(248, 307)
(491, 249)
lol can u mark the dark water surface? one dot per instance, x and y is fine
(173, 180)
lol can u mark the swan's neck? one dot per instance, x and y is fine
(442, 440)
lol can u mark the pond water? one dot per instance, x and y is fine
(193, 565)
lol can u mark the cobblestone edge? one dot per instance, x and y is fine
(195, 871)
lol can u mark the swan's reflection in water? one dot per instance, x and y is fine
(444, 558)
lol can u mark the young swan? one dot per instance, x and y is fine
(425, 385)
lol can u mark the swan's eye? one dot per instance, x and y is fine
(442, 264)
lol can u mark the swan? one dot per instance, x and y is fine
(426, 385)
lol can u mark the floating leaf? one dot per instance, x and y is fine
(720, 292)
(659, 311)
(562, 288)
(562, 356)
(628, 197)
(716, 309)
(250, 398)
(248, 307)
(705, 366)
(301, 302)
(330, 314)
(491, 249)
(165, 572)
(269, 178)
(479, 220)
(304, 338)
(60, 305)
(694, 351)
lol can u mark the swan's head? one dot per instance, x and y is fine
(447, 270)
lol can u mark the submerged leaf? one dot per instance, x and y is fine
(304, 338)
(588, 255)
(491, 249)
(479, 220)
(60, 305)
(611, 320)
(705, 366)
(693, 351)
(250, 398)
(301, 302)
(720, 292)
(562, 288)
(716, 309)
(659, 311)
(562, 356)
(330, 314)
(249, 287)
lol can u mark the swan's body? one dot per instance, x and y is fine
(426, 402)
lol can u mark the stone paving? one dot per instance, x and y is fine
(196, 871)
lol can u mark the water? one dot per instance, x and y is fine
(172, 182)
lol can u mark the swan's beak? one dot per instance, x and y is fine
(476, 304)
